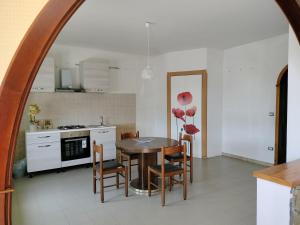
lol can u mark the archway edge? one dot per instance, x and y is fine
(19, 77)
(17, 82)
(280, 76)
(291, 9)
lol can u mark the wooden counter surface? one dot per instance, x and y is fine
(287, 174)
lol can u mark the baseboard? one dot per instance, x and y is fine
(246, 159)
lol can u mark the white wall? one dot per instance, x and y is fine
(150, 101)
(250, 74)
(122, 80)
(293, 123)
(214, 101)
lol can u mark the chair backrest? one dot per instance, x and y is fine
(129, 135)
(97, 149)
(187, 138)
(181, 149)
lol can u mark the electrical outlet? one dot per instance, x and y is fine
(270, 148)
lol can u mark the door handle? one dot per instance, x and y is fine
(44, 136)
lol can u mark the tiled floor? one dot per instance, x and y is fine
(224, 192)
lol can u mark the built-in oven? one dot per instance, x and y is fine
(75, 148)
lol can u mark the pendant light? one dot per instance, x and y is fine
(147, 73)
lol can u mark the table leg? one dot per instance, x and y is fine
(140, 185)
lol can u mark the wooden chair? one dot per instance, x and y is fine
(178, 158)
(107, 167)
(129, 156)
(169, 170)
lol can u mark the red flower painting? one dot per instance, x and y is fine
(191, 112)
(178, 113)
(190, 129)
(184, 98)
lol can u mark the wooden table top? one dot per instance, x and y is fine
(145, 144)
(287, 174)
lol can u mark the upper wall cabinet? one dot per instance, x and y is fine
(94, 75)
(45, 78)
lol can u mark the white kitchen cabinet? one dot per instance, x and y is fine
(45, 78)
(94, 75)
(43, 151)
(107, 137)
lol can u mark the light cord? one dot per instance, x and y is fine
(148, 44)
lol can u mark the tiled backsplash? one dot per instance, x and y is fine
(78, 108)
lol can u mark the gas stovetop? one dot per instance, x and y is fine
(70, 127)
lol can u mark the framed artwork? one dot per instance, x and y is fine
(187, 107)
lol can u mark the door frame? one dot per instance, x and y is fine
(23, 68)
(282, 73)
(202, 73)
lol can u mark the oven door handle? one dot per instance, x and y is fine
(77, 139)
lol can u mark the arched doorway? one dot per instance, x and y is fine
(21, 73)
(281, 116)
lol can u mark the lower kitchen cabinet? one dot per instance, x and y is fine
(43, 151)
(107, 137)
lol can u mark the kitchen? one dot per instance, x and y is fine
(80, 96)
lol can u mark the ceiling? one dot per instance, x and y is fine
(118, 25)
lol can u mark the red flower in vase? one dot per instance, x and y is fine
(191, 112)
(184, 98)
(178, 113)
(190, 129)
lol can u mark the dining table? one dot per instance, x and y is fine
(147, 148)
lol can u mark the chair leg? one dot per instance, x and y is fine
(102, 189)
(126, 181)
(162, 195)
(184, 186)
(117, 180)
(149, 183)
(191, 171)
(170, 183)
(180, 165)
(129, 167)
(94, 182)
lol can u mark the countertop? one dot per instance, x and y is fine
(61, 131)
(287, 174)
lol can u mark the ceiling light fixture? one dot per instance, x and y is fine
(147, 73)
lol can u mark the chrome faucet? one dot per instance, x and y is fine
(101, 121)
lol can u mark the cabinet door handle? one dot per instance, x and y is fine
(44, 136)
(44, 146)
(103, 132)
